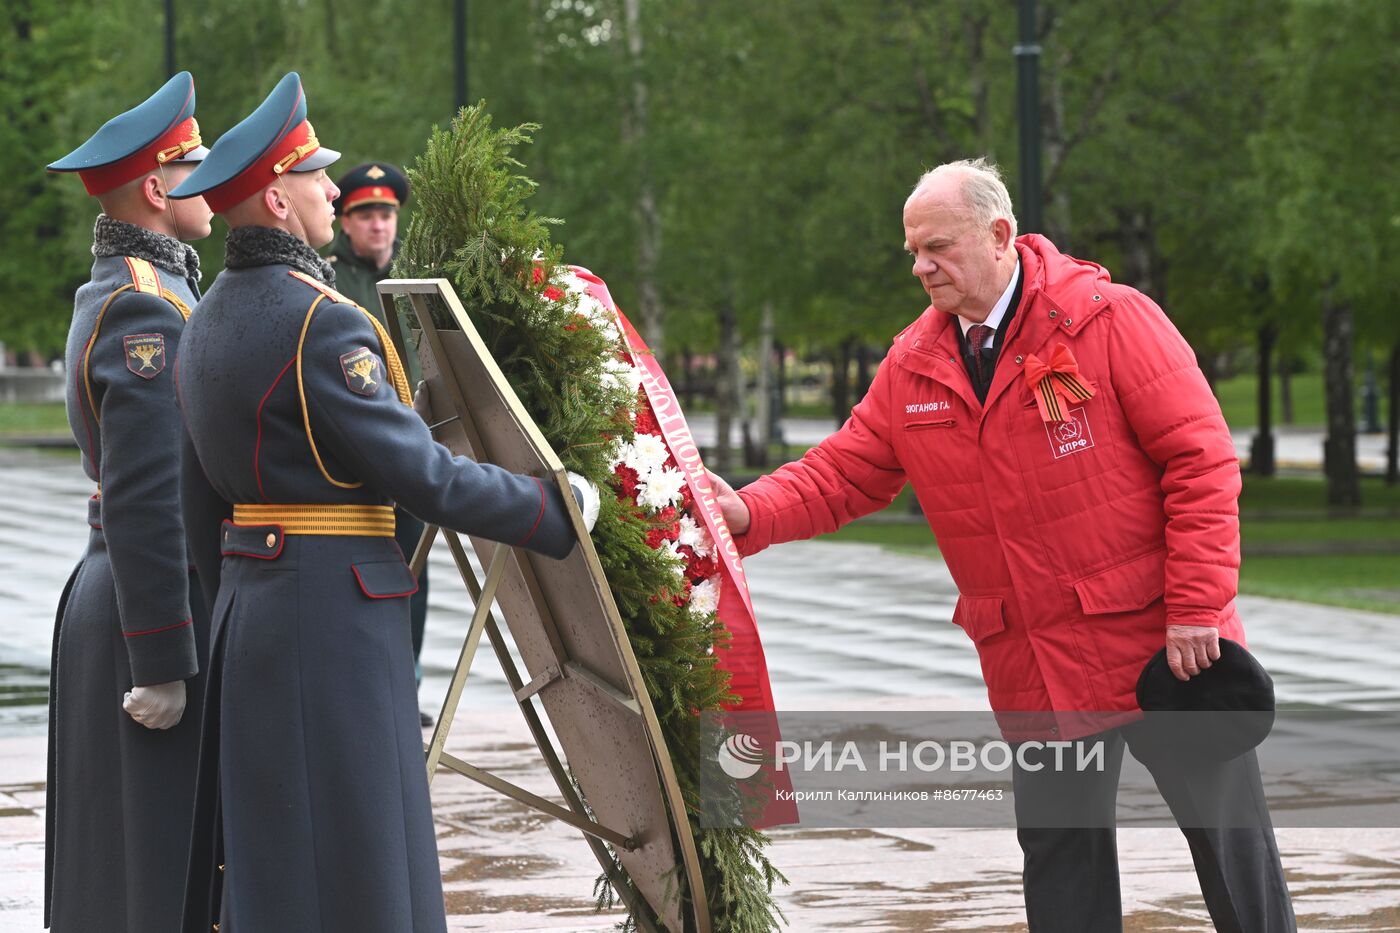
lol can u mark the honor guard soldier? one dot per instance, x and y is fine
(313, 797)
(362, 253)
(131, 634)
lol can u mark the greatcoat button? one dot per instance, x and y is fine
(1053, 312)
(1019, 359)
(271, 540)
(1098, 298)
(1068, 322)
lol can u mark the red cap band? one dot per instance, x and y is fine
(280, 158)
(373, 194)
(172, 144)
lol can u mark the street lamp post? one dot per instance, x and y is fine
(459, 43)
(1027, 53)
(170, 38)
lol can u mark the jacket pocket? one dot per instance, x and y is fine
(1126, 587)
(927, 425)
(384, 579)
(980, 616)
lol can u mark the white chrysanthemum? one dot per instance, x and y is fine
(618, 372)
(704, 597)
(697, 537)
(594, 311)
(677, 559)
(661, 488)
(646, 454)
(566, 278)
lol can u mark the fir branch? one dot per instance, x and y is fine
(473, 226)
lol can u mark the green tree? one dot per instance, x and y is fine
(1333, 230)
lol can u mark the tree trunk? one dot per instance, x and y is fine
(1137, 238)
(1058, 220)
(841, 380)
(647, 217)
(1285, 388)
(1261, 451)
(862, 370)
(726, 399)
(780, 399)
(687, 377)
(1392, 447)
(1339, 447)
(1209, 361)
(764, 414)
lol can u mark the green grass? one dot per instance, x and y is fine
(1281, 495)
(36, 418)
(1264, 533)
(1356, 581)
(1293, 548)
(1241, 407)
(1236, 396)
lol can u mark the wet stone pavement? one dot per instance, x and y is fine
(819, 605)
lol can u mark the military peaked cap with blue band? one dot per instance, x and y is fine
(371, 184)
(272, 140)
(157, 132)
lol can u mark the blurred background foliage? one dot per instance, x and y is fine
(736, 170)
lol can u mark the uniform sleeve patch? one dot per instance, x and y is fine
(145, 354)
(362, 371)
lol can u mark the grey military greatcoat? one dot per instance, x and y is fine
(313, 810)
(120, 795)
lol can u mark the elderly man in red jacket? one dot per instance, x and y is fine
(1081, 482)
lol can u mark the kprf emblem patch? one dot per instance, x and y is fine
(145, 354)
(1071, 435)
(362, 371)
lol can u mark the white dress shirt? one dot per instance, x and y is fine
(998, 310)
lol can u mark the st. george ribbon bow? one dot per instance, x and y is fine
(1057, 384)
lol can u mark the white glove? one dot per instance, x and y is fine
(586, 495)
(158, 706)
(422, 402)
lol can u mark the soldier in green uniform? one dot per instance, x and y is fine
(132, 634)
(362, 253)
(364, 249)
(312, 808)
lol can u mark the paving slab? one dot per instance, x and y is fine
(844, 627)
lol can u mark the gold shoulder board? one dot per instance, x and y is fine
(321, 287)
(143, 276)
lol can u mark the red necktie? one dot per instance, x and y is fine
(977, 336)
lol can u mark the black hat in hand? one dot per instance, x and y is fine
(1221, 713)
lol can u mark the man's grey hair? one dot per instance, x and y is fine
(982, 189)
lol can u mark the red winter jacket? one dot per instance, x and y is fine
(1073, 544)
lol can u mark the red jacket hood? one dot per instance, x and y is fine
(1067, 280)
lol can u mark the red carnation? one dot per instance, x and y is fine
(698, 568)
(553, 294)
(627, 482)
(646, 420)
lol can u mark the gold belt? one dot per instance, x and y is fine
(373, 521)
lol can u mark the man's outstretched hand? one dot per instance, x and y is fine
(736, 513)
(1191, 649)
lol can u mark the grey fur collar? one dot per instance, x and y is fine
(267, 246)
(112, 237)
